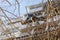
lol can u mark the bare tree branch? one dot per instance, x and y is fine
(7, 2)
(18, 7)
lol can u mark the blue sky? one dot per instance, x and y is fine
(23, 3)
(27, 3)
